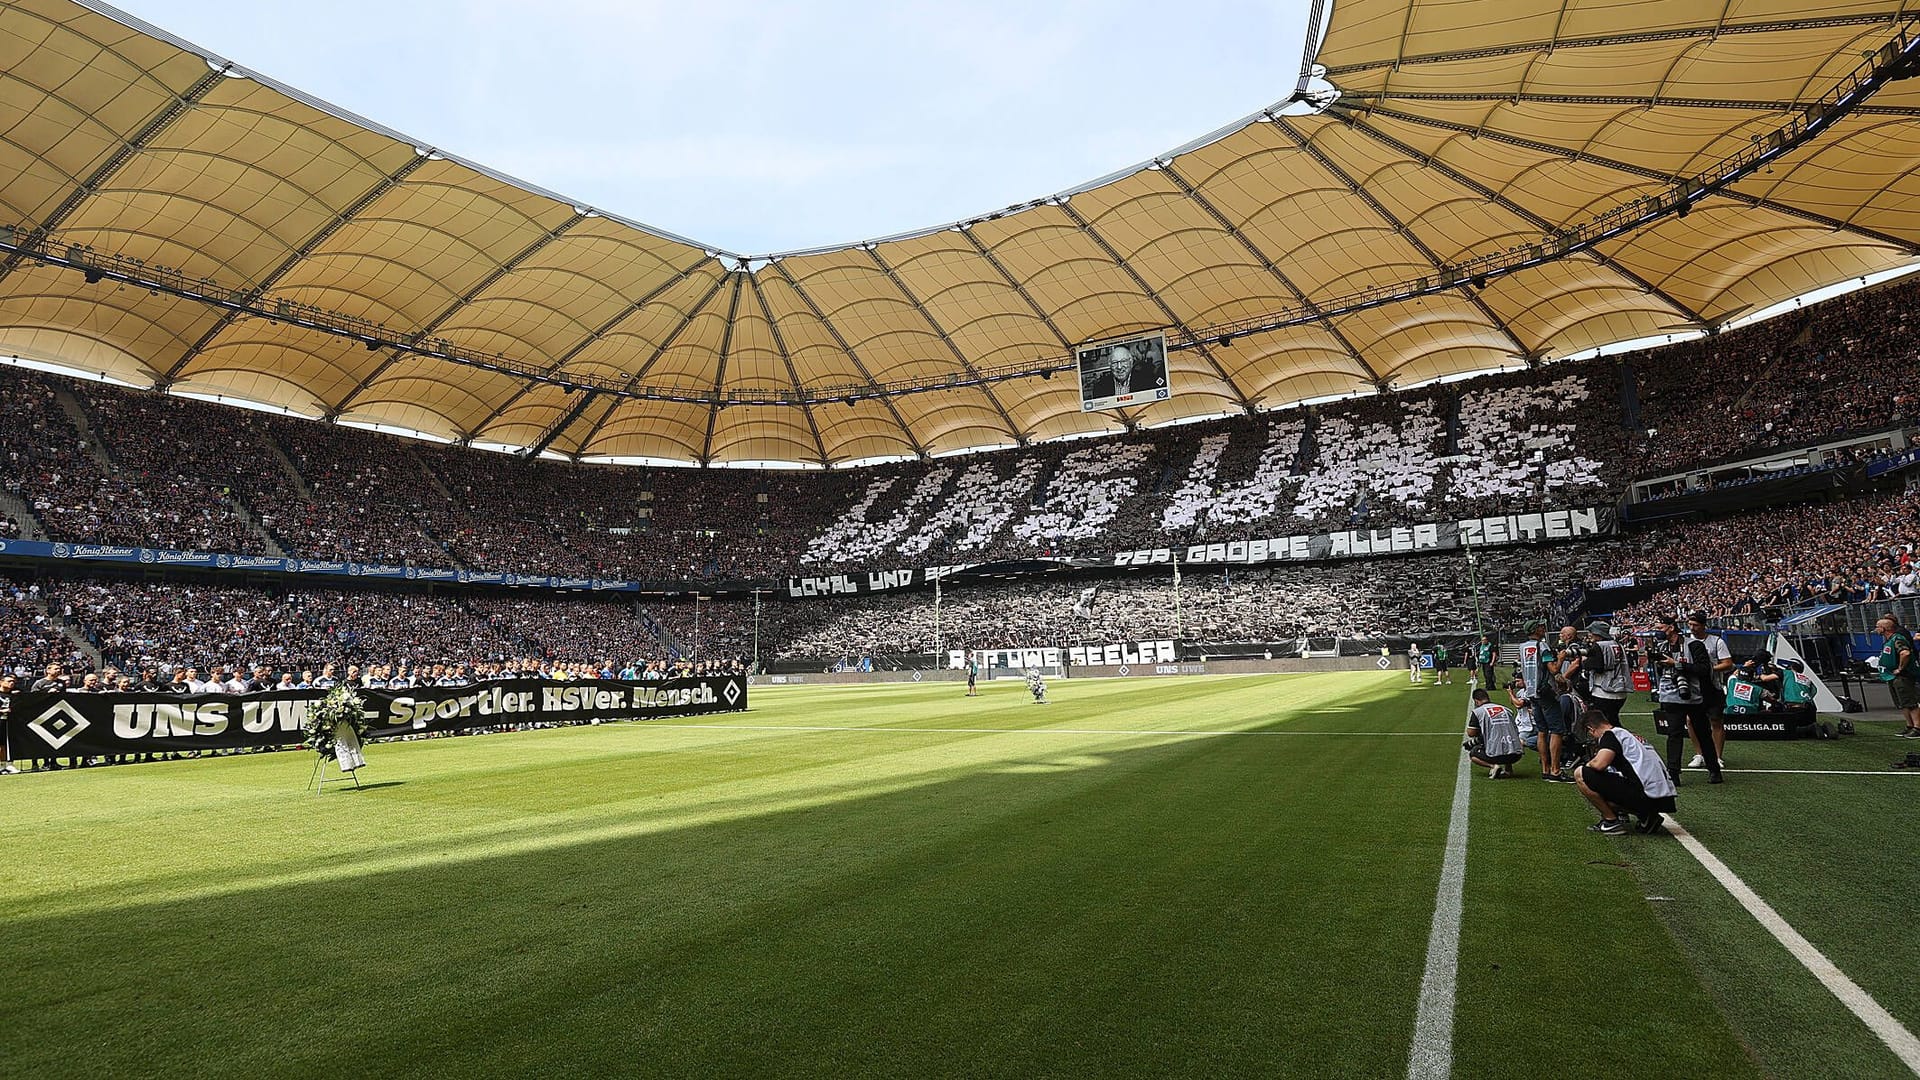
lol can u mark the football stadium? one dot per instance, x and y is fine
(1416, 581)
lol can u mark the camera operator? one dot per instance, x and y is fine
(1534, 667)
(1624, 776)
(1721, 660)
(1682, 673)
(1493, 737)
(1607, 671)
(1796, 694)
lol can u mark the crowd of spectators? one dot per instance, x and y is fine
(84, 497)
(1845, 364)
(29, 639)
(1771, 561)
(142, 625)
(1364, 598)
(171, 472)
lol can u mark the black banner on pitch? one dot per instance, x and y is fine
(71, 725)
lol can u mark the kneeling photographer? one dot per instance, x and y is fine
(1493, 737)
(1624, 776)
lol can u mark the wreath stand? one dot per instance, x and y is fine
(347, 760)
(319, 779)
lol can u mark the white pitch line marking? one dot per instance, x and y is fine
(1821, 772)
(1432, 1054)
(1035, 731)
(1901, 1041)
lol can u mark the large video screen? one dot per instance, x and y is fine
(1121, 373)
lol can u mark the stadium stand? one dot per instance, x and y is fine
(96, 463)
(1774, 560)
(186, 474)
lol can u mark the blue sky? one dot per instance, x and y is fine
(774, 126)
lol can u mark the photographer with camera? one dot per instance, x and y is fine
(1720, 660)
(1683, 677)
(1608, 670)
(1493, 736)
(1534, 666)
(1624, 776)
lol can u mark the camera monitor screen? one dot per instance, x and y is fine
(1121, 373)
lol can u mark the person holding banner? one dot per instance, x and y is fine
(9, 686)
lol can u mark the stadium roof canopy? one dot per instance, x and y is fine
(1468, 184)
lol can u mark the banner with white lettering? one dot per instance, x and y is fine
(1465, 533)
(1103, 655)
(861, 582)
(42, 725)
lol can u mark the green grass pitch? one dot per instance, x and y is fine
(1218, 876)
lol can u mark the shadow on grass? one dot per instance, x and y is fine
(1181, 909)
(375, 786)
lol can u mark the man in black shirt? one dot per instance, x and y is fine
(9, 686)
(54, 682)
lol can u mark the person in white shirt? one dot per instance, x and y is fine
(1413, 662)
(1624, 776)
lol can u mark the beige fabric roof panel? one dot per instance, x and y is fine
(1463, 129)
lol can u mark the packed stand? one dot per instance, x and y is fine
(29, 637)
(79, 498)
(1772, 561)
(1421, 594)
(1842, 365)
(187, 473)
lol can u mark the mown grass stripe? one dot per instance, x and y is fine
(1878, 1020)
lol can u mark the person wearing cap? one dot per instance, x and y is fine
(1607, 668)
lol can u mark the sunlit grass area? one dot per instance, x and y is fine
(1214, 876)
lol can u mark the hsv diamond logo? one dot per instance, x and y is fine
(58, 725)
(732, 692)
